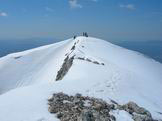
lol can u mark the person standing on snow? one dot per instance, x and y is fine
(75, 37)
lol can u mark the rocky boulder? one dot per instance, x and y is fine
(79, 108)
(84, 108)
(138, 113)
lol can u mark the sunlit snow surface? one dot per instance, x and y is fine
(27, 78)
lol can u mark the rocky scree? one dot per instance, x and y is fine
(84, 108)
(79, 108)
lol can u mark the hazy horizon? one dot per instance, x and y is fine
(152, 49)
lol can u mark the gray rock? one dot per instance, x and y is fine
(64, 68)
(80, 58)
(133, 107)
(95, 62)
(72, 108)
(138, 113)
(102, 64)
(87, 59)
(86, 115)
(93, 115)
(17, 57)
(84, 108)
(73, 47)
(137, 117)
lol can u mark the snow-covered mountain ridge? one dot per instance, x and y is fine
(99, 69)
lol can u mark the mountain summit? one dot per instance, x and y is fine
(85, 65)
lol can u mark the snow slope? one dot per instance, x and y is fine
(27, 78)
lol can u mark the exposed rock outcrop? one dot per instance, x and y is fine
(80, 108)
(89, 60)
(132, 107)
(138, 113)
(68, 61)
(65, 67)
(96, 62)
(84, 108)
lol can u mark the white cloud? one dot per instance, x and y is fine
(4, 14)
(157, 13)
(49, 9)
(94, 0)
(74, 4)
(128, 6)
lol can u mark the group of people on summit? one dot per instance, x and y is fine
(84, 34)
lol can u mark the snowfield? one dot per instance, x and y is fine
(27, 78)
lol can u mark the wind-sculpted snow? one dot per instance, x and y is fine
(103, 71)
(31, 67)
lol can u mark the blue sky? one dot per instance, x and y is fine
(107, 19)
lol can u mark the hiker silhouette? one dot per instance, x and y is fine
(85, 34)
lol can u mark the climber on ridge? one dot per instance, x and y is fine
(75, 37)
